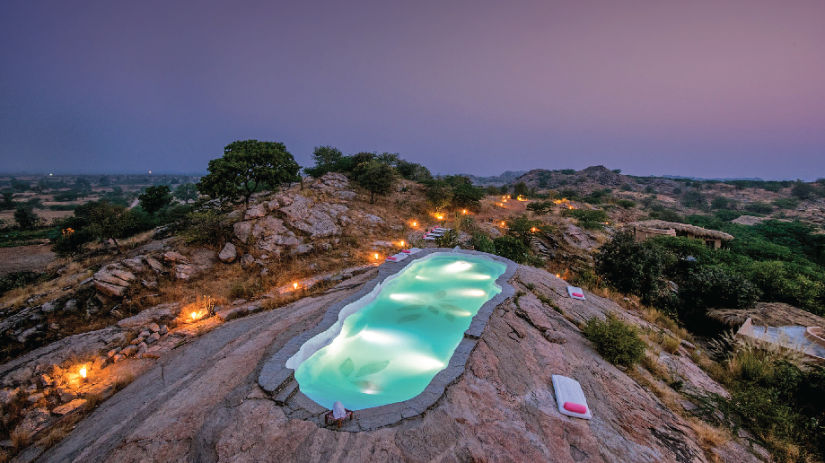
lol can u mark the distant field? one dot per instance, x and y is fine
(46, 214)
(33, 258)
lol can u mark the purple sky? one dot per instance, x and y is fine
(701, 88)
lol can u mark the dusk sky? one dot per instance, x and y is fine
(703, 88)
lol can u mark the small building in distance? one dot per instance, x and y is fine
(649, 228)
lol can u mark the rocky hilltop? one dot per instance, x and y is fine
(203, 404)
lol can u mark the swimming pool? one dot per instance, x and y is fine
(387, 346)
(791, 336)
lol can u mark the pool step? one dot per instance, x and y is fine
(283, 395)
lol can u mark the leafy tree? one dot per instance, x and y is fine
(25, 217)
(439, 194)
(83, 186)
(721, 202)
(377, 177)
(713, 287)
(522, 228)
(413, 171)
(155, 198)
(327, 159)
(246, 167)
(186, 192)
(520, 189)
(18, 185)
(632, 267)
(467, 196)
(7, 202)
(803, 190)
(694, 198)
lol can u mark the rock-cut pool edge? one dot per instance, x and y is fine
(278, 380)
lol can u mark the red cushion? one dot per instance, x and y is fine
(578, 294)
(575, 408)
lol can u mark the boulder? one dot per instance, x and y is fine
(373, 219)
(134, 264)
(110, 290)
(345, 195)
(174, 257)
(301, 249)
(228, 254)
(185, 271)
(255, 211)
(152, 314)
(242, 231)
(316, 220)
(69, 407)
(154, 264)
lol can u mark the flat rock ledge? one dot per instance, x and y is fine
(279, 381)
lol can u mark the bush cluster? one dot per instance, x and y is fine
(615, 340)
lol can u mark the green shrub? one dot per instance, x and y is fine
(448, 240)
(511, 248)
(522, 228)
(206, 227)
(626, 203)
(589, 219)
(759, 207)
(786, 203)
(632, 267)
(726, 215)
(483, 243)
(615, 340)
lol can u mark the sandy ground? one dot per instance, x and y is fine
(47, 215)
(33, 258)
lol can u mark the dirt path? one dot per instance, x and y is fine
(32, 258)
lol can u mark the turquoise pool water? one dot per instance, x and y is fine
(388, 345)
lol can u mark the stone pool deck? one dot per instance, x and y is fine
(279, 381)
(202, 401)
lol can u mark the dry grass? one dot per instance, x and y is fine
(710, 437)
(73, 274)
(20, 439)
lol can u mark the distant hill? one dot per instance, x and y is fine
(507, 177)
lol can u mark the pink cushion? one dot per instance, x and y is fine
(405, 251)
(575, 408)
(578, 294)
(391, 258)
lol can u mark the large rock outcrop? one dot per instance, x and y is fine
(203, 403)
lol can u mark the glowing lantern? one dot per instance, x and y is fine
(414, 223)
(464, 211)
(83, 372)
(558, 276)
(502, 224)
(401, 243)
(295, 285)
(439, 216)
(375, 256)
(194, 316)
(534, 229)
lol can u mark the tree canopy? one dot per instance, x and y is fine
(376, 176)
(246, 167)
(155, 198)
